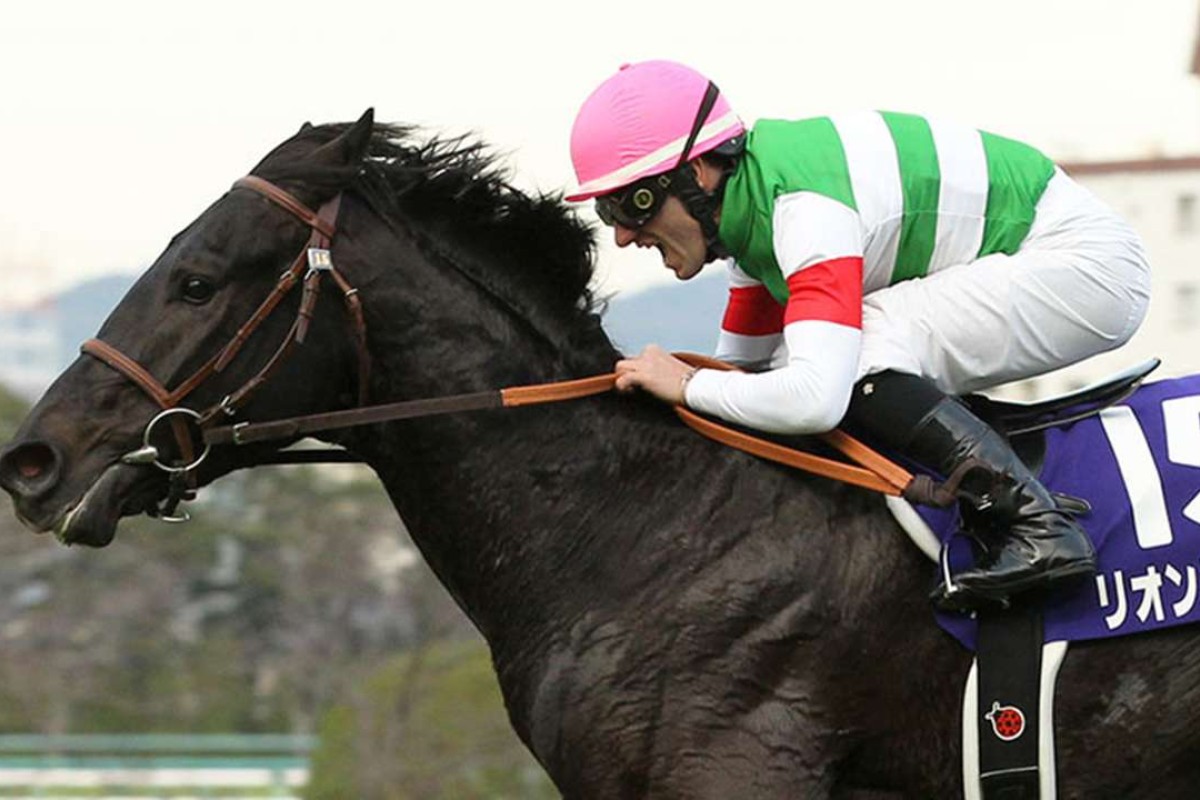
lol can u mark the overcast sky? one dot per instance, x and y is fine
(122, 120)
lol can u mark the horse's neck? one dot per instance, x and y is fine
(495, 499)
(466, 485)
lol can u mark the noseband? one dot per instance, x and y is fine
(310, 267)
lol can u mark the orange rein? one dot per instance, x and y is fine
(874, 471)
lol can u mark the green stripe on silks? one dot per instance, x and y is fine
(1017, 177)
(921, 182)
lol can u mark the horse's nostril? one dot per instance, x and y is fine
(28, 467)
(33, 460)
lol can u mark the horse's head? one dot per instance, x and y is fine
(175, 342)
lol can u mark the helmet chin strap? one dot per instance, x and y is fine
(700, 204)
(703, 207)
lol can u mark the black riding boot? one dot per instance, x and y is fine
(1029, 542)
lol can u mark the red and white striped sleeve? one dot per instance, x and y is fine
(752, 328)
(819, 244)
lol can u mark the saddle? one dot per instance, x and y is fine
(1023, 423)
(1014, 418)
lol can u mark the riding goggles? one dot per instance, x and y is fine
(636, 204)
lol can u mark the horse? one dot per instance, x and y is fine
(667, 618)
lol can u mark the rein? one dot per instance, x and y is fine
(191, 428)
(874, 471)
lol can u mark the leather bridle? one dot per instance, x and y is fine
(308, 270)
(314, 262)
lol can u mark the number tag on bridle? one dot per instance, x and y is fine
(319, 259)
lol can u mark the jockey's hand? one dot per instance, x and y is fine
(655, 371)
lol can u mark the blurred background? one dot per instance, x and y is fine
(288, 642)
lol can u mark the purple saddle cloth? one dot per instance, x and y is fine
(1138, 465)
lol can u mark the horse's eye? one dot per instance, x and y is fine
(197, 290)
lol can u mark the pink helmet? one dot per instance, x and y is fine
(637, 123)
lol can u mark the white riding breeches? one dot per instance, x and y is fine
(1079, 285)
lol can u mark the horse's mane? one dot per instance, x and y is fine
(545, 248)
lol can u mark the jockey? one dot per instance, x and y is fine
(879, 263)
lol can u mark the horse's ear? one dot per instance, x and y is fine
(350, 146)
(317, 174)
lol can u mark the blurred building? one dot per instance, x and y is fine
(31, 347)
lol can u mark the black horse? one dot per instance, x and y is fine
(667, 618)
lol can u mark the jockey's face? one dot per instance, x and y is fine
(675, 233)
